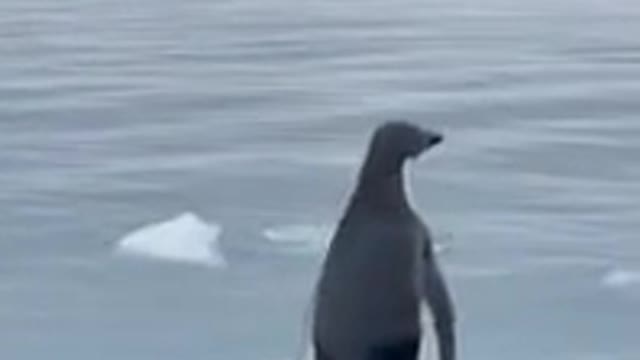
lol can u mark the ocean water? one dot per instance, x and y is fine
(250, 117)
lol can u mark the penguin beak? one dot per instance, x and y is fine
(431, 139)
(428, 139)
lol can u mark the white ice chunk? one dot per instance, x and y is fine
(316, 238)
(300, 238)
(185, 238)
(619, 278)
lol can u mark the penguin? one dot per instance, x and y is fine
(380, 266)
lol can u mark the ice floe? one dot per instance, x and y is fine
(184, 238)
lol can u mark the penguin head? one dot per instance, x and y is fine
(399, 140)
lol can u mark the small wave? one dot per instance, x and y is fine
(554, 261)
(465, 271)
(619, 278)
(185, 238)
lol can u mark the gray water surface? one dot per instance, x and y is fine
(254, 114)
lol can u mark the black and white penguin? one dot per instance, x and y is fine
(380, 265)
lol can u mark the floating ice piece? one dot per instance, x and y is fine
(441, 248)
(300, 238)
(619, 278)
(309, 238)
(185, 238)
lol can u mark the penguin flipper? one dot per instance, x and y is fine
(439, 301)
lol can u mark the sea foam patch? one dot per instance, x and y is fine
(619, 278)
(184, 238)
